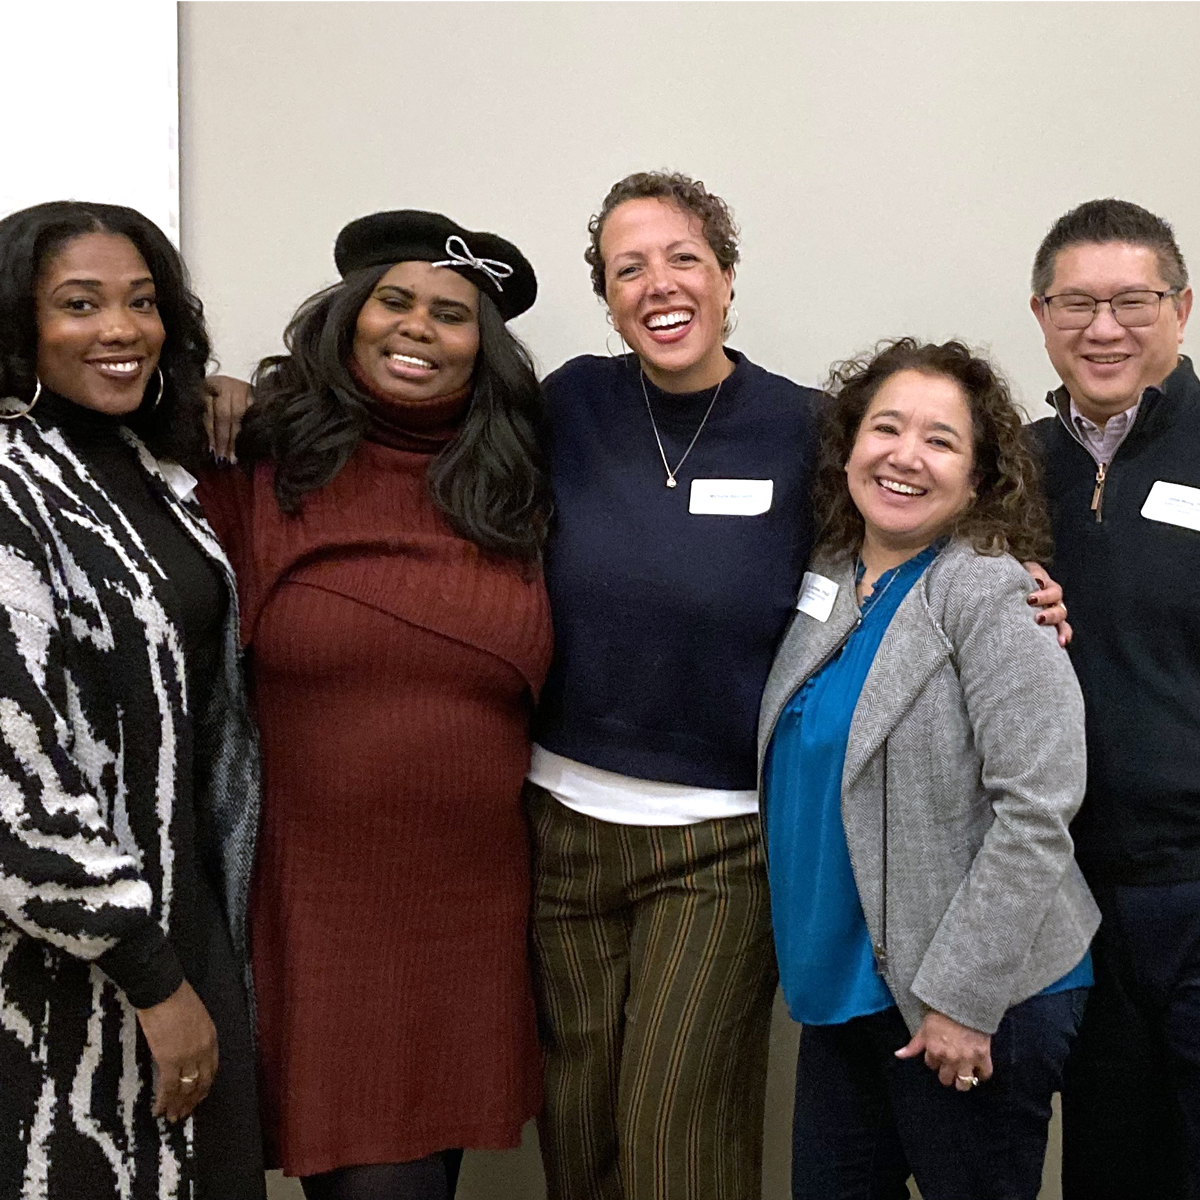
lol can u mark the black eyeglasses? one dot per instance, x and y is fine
(1131, 309)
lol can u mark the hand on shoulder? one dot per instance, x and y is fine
(968, 588)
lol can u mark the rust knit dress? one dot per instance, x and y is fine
(393, 668)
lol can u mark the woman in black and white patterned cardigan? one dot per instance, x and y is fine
(128, 764)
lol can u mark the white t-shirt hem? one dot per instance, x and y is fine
(624, 800)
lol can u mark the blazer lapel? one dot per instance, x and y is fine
(822, 638)
(807, 644)
(912, 650)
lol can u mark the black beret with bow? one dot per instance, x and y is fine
(495, 266)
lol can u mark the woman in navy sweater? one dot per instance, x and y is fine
(681, 477)
(680, 474)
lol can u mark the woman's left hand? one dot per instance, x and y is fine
(225, 403)
(961, 1056)
(1049, 598)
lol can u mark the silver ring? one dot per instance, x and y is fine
(190, 1080)
(970, 1080)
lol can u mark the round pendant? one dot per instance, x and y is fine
(671, 481)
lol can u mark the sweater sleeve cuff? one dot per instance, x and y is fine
(144, 966)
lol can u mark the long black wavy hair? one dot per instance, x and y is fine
(309, 416)
(30, 238)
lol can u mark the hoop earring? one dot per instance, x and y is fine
(161, 384)
(608, 347)
(16, 416)
(731, 321)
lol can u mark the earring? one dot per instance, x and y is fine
(731, 321)
(608, 347)
(37, 393)
(157, 398)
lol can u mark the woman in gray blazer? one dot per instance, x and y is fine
(921, 756)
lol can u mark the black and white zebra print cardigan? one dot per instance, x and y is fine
(93, 706)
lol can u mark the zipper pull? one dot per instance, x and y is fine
(1098, 490)
(881, 957)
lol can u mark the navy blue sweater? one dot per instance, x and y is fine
(666, 622)
(1133, 586)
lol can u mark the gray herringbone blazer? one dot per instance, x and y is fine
(964, 766)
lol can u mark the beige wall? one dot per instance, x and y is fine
(52, 150)
(893, 167)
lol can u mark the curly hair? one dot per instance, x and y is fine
(174, 426)
(309, 416)
(687, 194)
(1008, 514)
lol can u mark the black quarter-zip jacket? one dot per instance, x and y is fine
(1133, 588)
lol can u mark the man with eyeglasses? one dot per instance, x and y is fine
(1122, 460)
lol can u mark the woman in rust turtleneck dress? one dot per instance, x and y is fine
(386, 542)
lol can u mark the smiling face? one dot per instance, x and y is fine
(99, 332)
(910, 471)
(667, 293)
(1106, 367)
(417, 335)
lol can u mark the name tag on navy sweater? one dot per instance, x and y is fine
(731, 497)
(1173, 504)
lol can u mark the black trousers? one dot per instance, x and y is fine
(1131, 1096)
(865, 1120)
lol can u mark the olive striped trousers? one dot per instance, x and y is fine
(654, 971)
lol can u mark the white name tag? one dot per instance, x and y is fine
(817, 595)
(180, 480)
(1173, 504)
(731, 497)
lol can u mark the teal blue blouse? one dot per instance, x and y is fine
(826, 962)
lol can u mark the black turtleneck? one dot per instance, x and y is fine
(193, 594)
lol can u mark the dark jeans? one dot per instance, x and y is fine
(865, 1120)
(1131, 1098)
